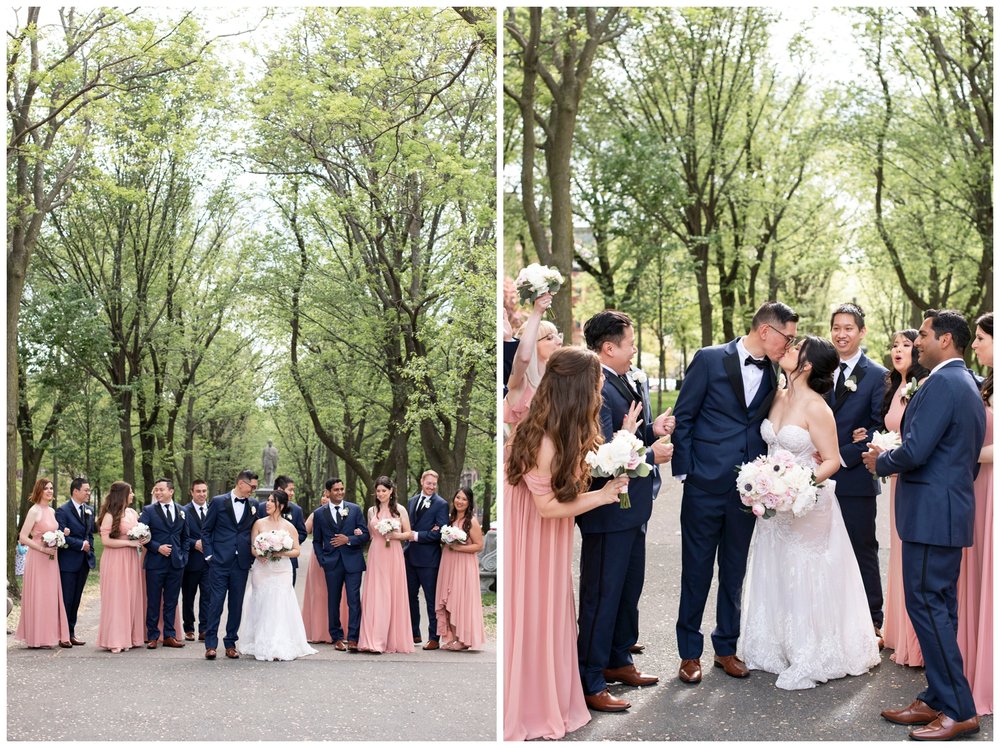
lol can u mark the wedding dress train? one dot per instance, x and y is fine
(272, 627)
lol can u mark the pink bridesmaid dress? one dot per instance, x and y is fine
(314, 605)
(897, 631)
(459, 602)
(514, 412)
(385, 606)
(543, 695)
(123, 592)
(43, 615)
(975, 591)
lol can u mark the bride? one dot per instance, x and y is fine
(272, 627)
(805, 614)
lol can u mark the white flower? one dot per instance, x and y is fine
(343, 511)
(535, 280)
(851, 385)
(782, 381)
(639, 376)
(886, 440)
(253, 510)
(182, 515)
(911, 389)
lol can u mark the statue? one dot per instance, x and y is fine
(270, 459)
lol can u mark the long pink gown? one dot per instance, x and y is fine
(123, 592)
(543, 694)
(385, 606)
(43, 615)
(459, 602)
(975, 591)
(314, 605)
(897, 631)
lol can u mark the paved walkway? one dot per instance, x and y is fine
(176, 694)
(725, 708)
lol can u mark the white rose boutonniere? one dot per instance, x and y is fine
(851, 384)
(253, 510)
(343, 511)
(639, 376)
(911, 389)
(182, 515)
(782, 381)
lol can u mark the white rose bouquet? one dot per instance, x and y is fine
(272, 542)
(386, 526)
(535, 280)
(623, 455)
(886, 440)
(776, 483)
(451, 535)
(139, 532)
(54, 539)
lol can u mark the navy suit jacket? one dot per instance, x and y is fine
(225, 540)
(72, 558)
(427, 550)
(716, 431)
(854, 410)
(174, 534)
(195, 559)
(943, 429)
(351, 556)
(616, 399)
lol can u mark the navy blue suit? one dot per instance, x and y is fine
(342, 565)
(423, 558)
(195, 580)
(613, 553)
(163, 573)
(942, 432)
(227, 550)
(297, 519)
(74, 564)
(856, 487)
(716, 432)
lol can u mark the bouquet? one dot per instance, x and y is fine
(886, 440)
(776, 483)
(385, 526)
(451, 535)
(54, 539)
(139, 532)
(535, 280)
(272, 542)
(623, 455)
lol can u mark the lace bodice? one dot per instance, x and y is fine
(792, 438)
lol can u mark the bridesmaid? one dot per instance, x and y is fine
(459, 604)
(43, 613)
(123, 600)
(385, 606)
(539, 338)
(975, 580)
(544, 479)
(897, 632)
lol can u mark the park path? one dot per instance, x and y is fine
(176, 694)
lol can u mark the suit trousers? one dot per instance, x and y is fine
(612, 572)
(228, 585)
(859, 518)
(930, 581)
(163, 585)
(712, 526)
(73, 583)
(338, 582)
(195, 583)
(425, 577)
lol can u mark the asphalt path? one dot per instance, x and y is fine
(726, 708)
(176, 694)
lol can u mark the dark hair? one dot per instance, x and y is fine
(198, 481)
(605, 326)
(945, 321)
(453, 515)
(38, 489)
(114, 504)
(852, 309)
(824, 359)
(77, 483)
(170, 483)
(247, 475)
(773, 313)
(281, 482)
(332, 482)
(893, 378)
(986, 388)
(280, 498)
(386, 482)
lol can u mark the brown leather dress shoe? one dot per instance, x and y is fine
(76, 642)
(432, 644)
(209, 654)
(340, 645)
(201, 636)
(690, 671)
(65, 645)
(917, 713)
(733, 666)
(189, 636)
(945, 728)
(169, 641)
(151, 644)
(628, 675)
(232, 654)
(352, 646)
(417, 640)
(605, 702)
(636, 649)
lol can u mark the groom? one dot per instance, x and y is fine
(942, 433)
(726, 394)
(225, 537)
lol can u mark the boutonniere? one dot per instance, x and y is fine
(638, 376)
(182, 515)
(851, 384)
(86, 510)
(253, 510)
(343, 511)
(782, 381)
(911, 389)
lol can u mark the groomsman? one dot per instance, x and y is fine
(226, 539)
(77, 558)
(613, 554)
(942, 433)
(293, 514)
(340, 534)
(195, 579)
(166, 557)
(726, 394)
(428, 514)
(856, 400)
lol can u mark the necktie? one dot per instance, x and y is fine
(201, 513)
(336, 515)
(841, 379)
(83, 516)
(170, 516)
(760, 363)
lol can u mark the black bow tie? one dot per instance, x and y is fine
(241, 501)
(760, 363)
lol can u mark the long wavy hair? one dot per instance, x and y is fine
(893, 378)
(566, 408)
(453, 515)
(114, 504)
(986, 388)
(38, 489)
(386, 482)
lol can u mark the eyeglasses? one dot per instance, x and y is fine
(789, 339)
(557, 336)
(253, 486)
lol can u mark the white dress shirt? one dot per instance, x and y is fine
(752, 375)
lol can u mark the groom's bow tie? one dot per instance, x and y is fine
(241, 501)
(760, 363)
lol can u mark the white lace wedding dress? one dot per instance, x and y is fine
(805, 614)
(272, 627)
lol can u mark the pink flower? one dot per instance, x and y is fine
(758, 510)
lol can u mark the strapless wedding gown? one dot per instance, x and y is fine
(805, 614)
(272, 628)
